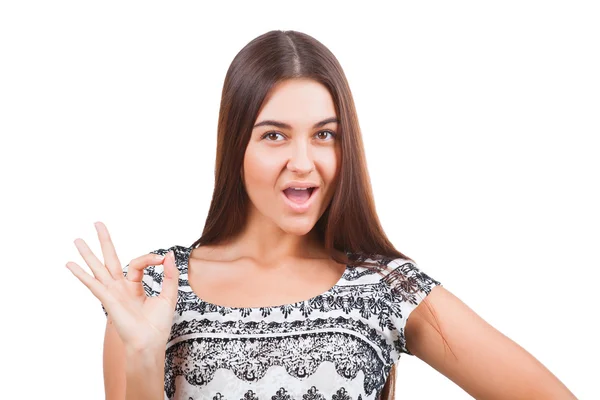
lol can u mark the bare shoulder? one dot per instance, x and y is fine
(449, 336)
(208, 252)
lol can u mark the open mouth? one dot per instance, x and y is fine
(299, 196)
(299, 199)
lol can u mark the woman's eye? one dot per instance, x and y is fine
(271, 134)
(330, 132)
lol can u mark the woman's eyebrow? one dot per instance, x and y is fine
(283, 125)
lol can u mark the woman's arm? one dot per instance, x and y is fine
(481, 360)
(113, 363)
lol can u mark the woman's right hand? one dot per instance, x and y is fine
(142, 322)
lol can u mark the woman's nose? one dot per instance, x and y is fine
(301, 161)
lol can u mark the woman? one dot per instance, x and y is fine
(293, 291)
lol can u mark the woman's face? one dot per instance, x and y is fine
(291, 146)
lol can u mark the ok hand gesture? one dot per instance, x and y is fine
(142, 322)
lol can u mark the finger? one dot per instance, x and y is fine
(95, 286)
(135, 271)
(111, 305)
(97, 266)
(108, 251)
(170, 285)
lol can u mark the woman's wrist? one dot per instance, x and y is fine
(145, 373)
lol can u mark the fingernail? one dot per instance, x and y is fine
(158, 257)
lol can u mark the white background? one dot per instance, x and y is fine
(480, 122)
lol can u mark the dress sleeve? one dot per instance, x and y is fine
(152, 278)
(408, 287)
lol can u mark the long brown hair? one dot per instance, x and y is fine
(350, 225)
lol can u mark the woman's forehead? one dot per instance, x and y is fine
(298, 104)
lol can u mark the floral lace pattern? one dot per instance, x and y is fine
(250, 358)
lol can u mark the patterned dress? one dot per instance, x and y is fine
(339, 345)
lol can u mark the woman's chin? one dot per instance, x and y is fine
(297, 226)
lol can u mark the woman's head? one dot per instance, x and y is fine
(293, 144)
(290, 77)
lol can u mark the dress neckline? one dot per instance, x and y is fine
(186, 265)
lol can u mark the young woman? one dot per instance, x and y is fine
(293, 291)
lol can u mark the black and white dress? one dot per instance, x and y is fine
(339, 345)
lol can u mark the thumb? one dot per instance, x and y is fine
(170, 286)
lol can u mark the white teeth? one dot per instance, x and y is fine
(300, 188)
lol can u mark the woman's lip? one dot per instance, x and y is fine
(301, 207)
